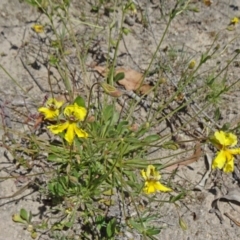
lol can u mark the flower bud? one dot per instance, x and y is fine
(17, 218)
(110, 90)
(192, 64)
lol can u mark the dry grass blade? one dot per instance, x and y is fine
(184, 162)
(232, 219)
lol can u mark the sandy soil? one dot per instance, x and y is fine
(191, 33)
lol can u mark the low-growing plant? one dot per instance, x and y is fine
(87, 154)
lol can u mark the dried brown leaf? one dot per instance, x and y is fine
(207, 2)
(232, 219)
(101, 70)
(184, 162)
(145, 89)
(132, 79)
(232, 195)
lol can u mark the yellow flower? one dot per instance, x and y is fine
(38, 28)
(152, 184)
(225, 157)
(74, 114)
(234, 21)
(52, 108)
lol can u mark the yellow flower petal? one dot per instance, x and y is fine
(220, 160)
(143, 173)
(59, 127)
(53, 103)
(48, 113)
(76, 112)
(149, 188)
(229, 166)
(151, 173)
(38, 28)
(69, 136)
(51, 110)
(161, 187)
(80, 133)
(234, 151)
(226, 139)
(234, 20)
(153, 186)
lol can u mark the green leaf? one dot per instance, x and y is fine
(54, 158)
(153, 231)
(176, 198)
(95, 9)
(137, 226)
(119, 77)
(73, 180)
(56, 189)
(194, 9)
(108, 192)
(226, 127)
(100, 222)
(217, 114)
(24, 214)
(204, 58)
(108, 112)
(80, 101)
(68, 224)
(237, 51)
(126, 31)
(57, 226)
(30, 217)
(111, 227)
(151, 138)
(122, 127)
(53, 60)
(210, 80)
(170, 145)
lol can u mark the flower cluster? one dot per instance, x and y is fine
(73, 115)
(225, 157)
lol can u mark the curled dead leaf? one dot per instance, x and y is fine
(132, 80)
(232, 219)
(145, 89)
(232, 195)
(90, 119)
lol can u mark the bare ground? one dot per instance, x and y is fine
(190, 34)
